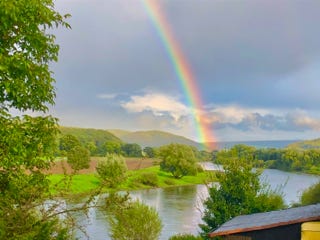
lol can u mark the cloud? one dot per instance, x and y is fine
(157, 103)
(246, 119)
(307, 123)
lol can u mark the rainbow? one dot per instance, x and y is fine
(182, 69)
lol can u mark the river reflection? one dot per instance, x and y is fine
(180, 207)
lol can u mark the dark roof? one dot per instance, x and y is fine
(259, 221)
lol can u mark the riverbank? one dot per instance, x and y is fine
(143, 174)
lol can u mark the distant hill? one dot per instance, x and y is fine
(256, 144)
(152, 138)
(307, 144)
(86, 135)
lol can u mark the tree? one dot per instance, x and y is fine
(132, 150)
(178, 159)
(240, 192)
(112, 170)
(132, 220)
(27, 143)
(112, 148)
(311, 195)
(239, 151)
(149, 151)
(68, 142)
(78, 158)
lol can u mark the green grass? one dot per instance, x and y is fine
(79, 183)
(84, 183)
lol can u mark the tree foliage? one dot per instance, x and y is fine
(78, 158)
(178, 159)
(239, 192)
(311, 195)
(288, 159)
(112, 170)
(132, 150)
(112, 148)
(68, 142)
(149, 152)
(132, 220)
(27, 143)
(185, 236)
(94, 140)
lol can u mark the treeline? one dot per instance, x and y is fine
(288, 159)
(291, 159)
(101, 142)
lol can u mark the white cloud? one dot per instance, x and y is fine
(158, 103)
(307, 122)
(232, 114)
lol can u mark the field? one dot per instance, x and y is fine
(59, 167)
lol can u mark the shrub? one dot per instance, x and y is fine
(134, 221)
(149, 178)
(185, 236)
(169, 181)
(112, 170)
(311, 195)
(78, 158)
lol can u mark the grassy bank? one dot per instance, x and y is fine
(150, 177)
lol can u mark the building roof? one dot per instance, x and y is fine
(259, 221)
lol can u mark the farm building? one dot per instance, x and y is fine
(300, 223)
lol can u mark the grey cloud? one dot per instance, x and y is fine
(247, 37)
(237, 49)
(269, 122)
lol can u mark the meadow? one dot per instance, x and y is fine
(142, 174)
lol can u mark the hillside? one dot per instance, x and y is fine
(307, 144)
(87, 135)
(152, 138)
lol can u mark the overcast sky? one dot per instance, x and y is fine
(256, 63)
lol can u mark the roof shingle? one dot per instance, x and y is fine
(258, 221)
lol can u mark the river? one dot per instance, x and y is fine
(180, 207)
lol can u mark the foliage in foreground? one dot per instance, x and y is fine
(27, 143)
(132, 220)
(311, 195)
(239, 193)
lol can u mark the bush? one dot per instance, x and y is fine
(311, 195)
(185, 236)
(112, 170)
(78, 158)
(149, 178)
(169, 181)
(134, 220)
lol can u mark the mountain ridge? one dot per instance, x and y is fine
(156, 138)
(152, 138)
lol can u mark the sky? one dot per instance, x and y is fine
(255, 65)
